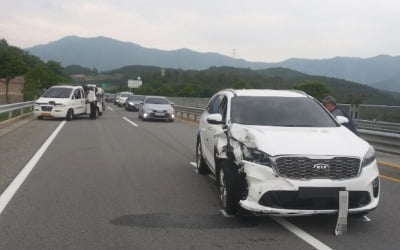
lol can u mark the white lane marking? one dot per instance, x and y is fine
(366, 218)
(10, 191)
(225, 214)
(301, 234)
(193, 164)
(131, 122)
(110, 108)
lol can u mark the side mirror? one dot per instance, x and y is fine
(342, 119)
(172, 103)
(215, 119)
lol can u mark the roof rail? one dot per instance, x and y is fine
(231, 90)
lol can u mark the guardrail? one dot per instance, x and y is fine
(15, 110)
(388, 142)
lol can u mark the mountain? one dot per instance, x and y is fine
(105, 54)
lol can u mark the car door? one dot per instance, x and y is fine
(209, 131)
(78, 102)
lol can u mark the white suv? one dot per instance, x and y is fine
(280, 152)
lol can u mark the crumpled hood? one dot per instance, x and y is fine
(301, 141)
(158, 106)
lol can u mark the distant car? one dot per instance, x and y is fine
(122, 98)
(156, 107)
(116, 97)
(133, 102)
(109, 98)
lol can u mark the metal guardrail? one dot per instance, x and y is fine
(388, 142)
(379, 126)
(10, 108)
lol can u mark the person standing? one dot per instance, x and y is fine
(91, 97)
(330, 104)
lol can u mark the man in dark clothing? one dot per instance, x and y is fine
(330, 103)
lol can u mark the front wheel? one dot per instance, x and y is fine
(201, 166)
(70, 115)
(231, 186)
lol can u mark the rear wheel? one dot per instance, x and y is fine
(231, 186)
(201, 166)
(40, 117)
(70, 115)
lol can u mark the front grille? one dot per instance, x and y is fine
(308, 168)
(46, 108)
(294, 200)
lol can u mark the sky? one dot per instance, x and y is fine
(255, 30)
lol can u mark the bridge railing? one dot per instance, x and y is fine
(14, 110)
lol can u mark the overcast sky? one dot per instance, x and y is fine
(257, 30)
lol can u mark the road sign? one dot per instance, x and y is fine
(134, 84)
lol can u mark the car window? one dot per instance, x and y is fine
(77, 94)
(279, 111)
(136, 98)
(156, 100)
(58, 93)
(223, 108)
(215, 105)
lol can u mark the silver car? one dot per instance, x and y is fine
(156, 107)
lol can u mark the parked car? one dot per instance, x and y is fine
(109, 98)
(116, 98)
(133, 102)
(121, 99)
(282, 153)
(63, 101)
(156, 107)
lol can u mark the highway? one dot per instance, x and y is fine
(120, 183)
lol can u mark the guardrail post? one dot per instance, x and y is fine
(22, 111)
(9, 115)
(354, 111)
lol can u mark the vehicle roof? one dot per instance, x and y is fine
(268, 92)
(155, 96)
(66, 86)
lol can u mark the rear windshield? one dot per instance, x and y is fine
(279, 111)
(136, 98)
(58, 93)
(125, 95)
(157, 100)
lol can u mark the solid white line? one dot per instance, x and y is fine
(193, 164)
(131, 122)
(366, 218)
(301, 234)
(7, 195)
(110, 108)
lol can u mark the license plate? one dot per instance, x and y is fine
(46, 113)
(320, 192)
(159, 114)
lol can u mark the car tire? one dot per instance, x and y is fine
(231, 186)
(201, 165)
(70, 115)
(100, 113)
(40, 117)
(171, 120)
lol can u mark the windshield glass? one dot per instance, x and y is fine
(136, 98)
(125, 95)
(157, 100)
(279, 111)
(58, 93)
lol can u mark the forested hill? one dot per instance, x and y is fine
(203, 83)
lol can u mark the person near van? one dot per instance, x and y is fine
(91, 97)
(330, 104)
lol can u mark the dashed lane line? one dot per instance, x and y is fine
(110, 108)
(131, 122)
(389, 178)
(10, 191)
(388, 164)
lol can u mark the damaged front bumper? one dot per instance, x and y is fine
(274, 195)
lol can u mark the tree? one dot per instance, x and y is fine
(316, 89)
(11, 63)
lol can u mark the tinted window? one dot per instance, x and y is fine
(136, 98)
(279, 111)
(125, 95)
(58, 93)
(156, 100)
(78, 94)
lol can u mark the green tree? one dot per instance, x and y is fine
(11, 63)
(316, 89)
(241, 85)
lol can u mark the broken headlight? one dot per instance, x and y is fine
(369, 157)
(256, 156)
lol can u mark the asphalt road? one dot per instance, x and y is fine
(108, 184)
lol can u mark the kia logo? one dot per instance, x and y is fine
(321, 166)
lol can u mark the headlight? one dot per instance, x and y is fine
(130, 103)
(256, 156)
(369, 157)
(60, 105)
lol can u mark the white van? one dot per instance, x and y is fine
(63, 101)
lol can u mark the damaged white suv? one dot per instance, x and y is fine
(280, 152)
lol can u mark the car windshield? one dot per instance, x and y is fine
(279, 111)
(136, 98)
(157, 100)
(58, 93)
(125, 95)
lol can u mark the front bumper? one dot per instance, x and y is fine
(50, 111)
(159, 116)
(264, 183)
